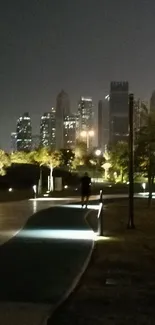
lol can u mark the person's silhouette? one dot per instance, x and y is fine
(85, 189)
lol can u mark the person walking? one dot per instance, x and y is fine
(85, 189)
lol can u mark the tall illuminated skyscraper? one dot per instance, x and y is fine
(119, 116)
(13, 141)
(24, 133)
(62, 110)
(35, 141)
(47, 129)
(140, 116)
(70, 131)
(103, 123)
(85, 114)
(152, 102)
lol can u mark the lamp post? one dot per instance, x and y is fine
(87, 135)
(98, 153)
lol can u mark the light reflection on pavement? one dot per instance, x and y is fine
(14, 215)
(17, 262)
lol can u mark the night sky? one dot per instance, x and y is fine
(77, 45)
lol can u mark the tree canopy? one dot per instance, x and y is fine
(119, 159)
(4, 162)
(20, 157)
(145, 152)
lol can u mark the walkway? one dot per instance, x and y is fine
(41, 262)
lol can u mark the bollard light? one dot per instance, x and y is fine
(35, 190)
(100, 215)
(144, 186)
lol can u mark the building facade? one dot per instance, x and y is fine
(103, 123)
(152, 103)
(85, 115)
(70, 131)
(118, 114)
(62, 110)
(48, 129)
(13, 141)
(35, 141)
(140, 114)
(24, 133)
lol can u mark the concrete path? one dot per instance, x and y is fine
(40, 263)
(14, 215)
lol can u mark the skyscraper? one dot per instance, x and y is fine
(13, 141)
(47, 129)
(70, 131)
(103, 123)
(62, 110)
(152, 102)
(118, 119)
(85, 113)
(35, 141)
(140, 114)
(24, 133)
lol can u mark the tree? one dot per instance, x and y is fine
(51, 159)
(39, 158)
(80, 154)
(67, 158)
(145, 152)
(4, 162)
(119, 159)
(80, 149)
(94, 163)
(76, 162)
(106, 165)
(20, 157)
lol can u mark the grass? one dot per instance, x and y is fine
(119, 285)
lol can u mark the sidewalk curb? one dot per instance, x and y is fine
(75, 281)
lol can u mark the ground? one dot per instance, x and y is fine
(119, 285)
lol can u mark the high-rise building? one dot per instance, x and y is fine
(119, 116)
(62, 110)
(48, 129)
(13, 141)
(144, 113)
(24, 133)
(103, 123)
(152, 102)
(85, 113)
(35, 141)
(140, 114)
(70, 131)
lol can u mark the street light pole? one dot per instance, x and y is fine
(131, 180)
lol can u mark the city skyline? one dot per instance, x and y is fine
(41, 53)
(99, 124)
